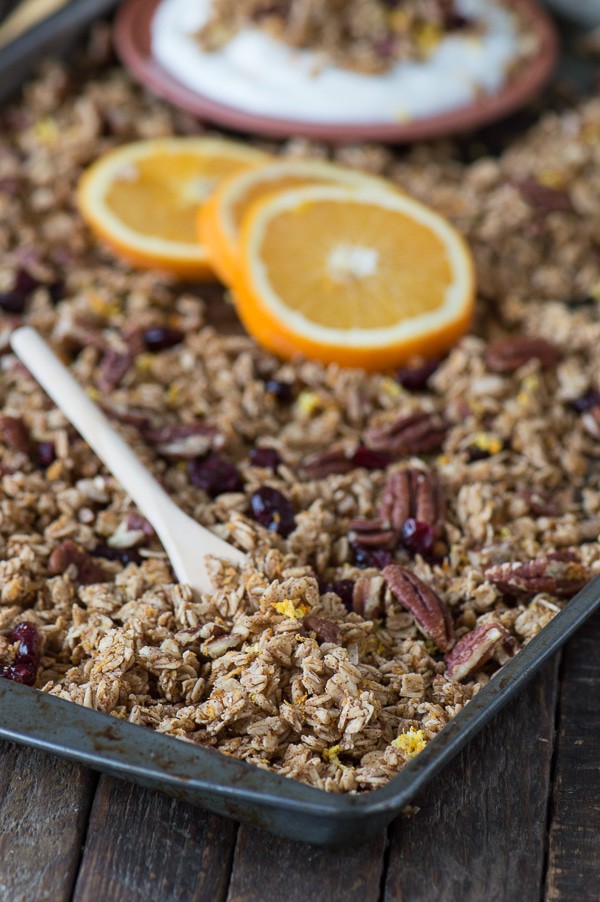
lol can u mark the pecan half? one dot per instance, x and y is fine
(559, 573)
(337, 459)
(324, 630)
(367, 596)
(550, 200)
(428, 609)
(508, 354)
(67, 553)
(372, 533)
(15, 435)
(413, 493)
(418, 433)
(488, 640)
(340, 459)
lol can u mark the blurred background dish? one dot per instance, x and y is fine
(586, 12)
(136, 45)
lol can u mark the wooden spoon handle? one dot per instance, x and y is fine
(90, 422)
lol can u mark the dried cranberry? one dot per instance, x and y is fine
(24, 673)
(364, 557)
(587, 401)
(370, 460)
(15, 300)
(26, 635)
(27, 660)
(343, 588)
(214, 475)
(268, 458)
(122, 555)
(415, 378)
(158, 338)
(417, 537)
(283, 391)
(273, 511)
(46, 453)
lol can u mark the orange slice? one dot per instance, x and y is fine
(220, 218)
(365, 278)
(142, 198)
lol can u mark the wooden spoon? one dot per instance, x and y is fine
(185, 541)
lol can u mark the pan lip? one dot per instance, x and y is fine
(132, 41)
(271, 790)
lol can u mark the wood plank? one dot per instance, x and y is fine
(481, 827)
(574, 840)
(270, 869)
(143, 845)
(44, 805)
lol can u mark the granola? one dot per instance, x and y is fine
(365, 35)
(319, 661)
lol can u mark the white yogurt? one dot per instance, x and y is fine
(260, 75)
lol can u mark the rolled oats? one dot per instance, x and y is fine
(305, 663)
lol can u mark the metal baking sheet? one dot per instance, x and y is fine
(235, 789)
(208, 778)
(53, 35)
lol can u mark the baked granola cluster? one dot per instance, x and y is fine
(407, 532)
(368, 36)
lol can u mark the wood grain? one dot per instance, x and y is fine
(479, 834)
(270, 869)
(143, 845)
(574, 841)
(44, 805)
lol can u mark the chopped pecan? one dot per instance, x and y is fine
(418, 433)
(559, 573)
(135, 521)
(340, 459)
(217, 646)
(372, 533)
(324, 630)
(131, 416)
(8, 324)
(67, 553)
(367, 596)
(505, 355)
(550, 200)
(15, 435)
(540, 502)
(591, 422)
(488, 640)
(413, 493)
(113, 367)
(184, 440)
(428, 609)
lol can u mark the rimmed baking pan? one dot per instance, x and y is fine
(53, 35)
(235, 789)
(208, 778)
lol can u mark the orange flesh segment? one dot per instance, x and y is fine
(172, 183)
(304, 250)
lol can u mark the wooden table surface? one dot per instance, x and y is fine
(515, 817)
